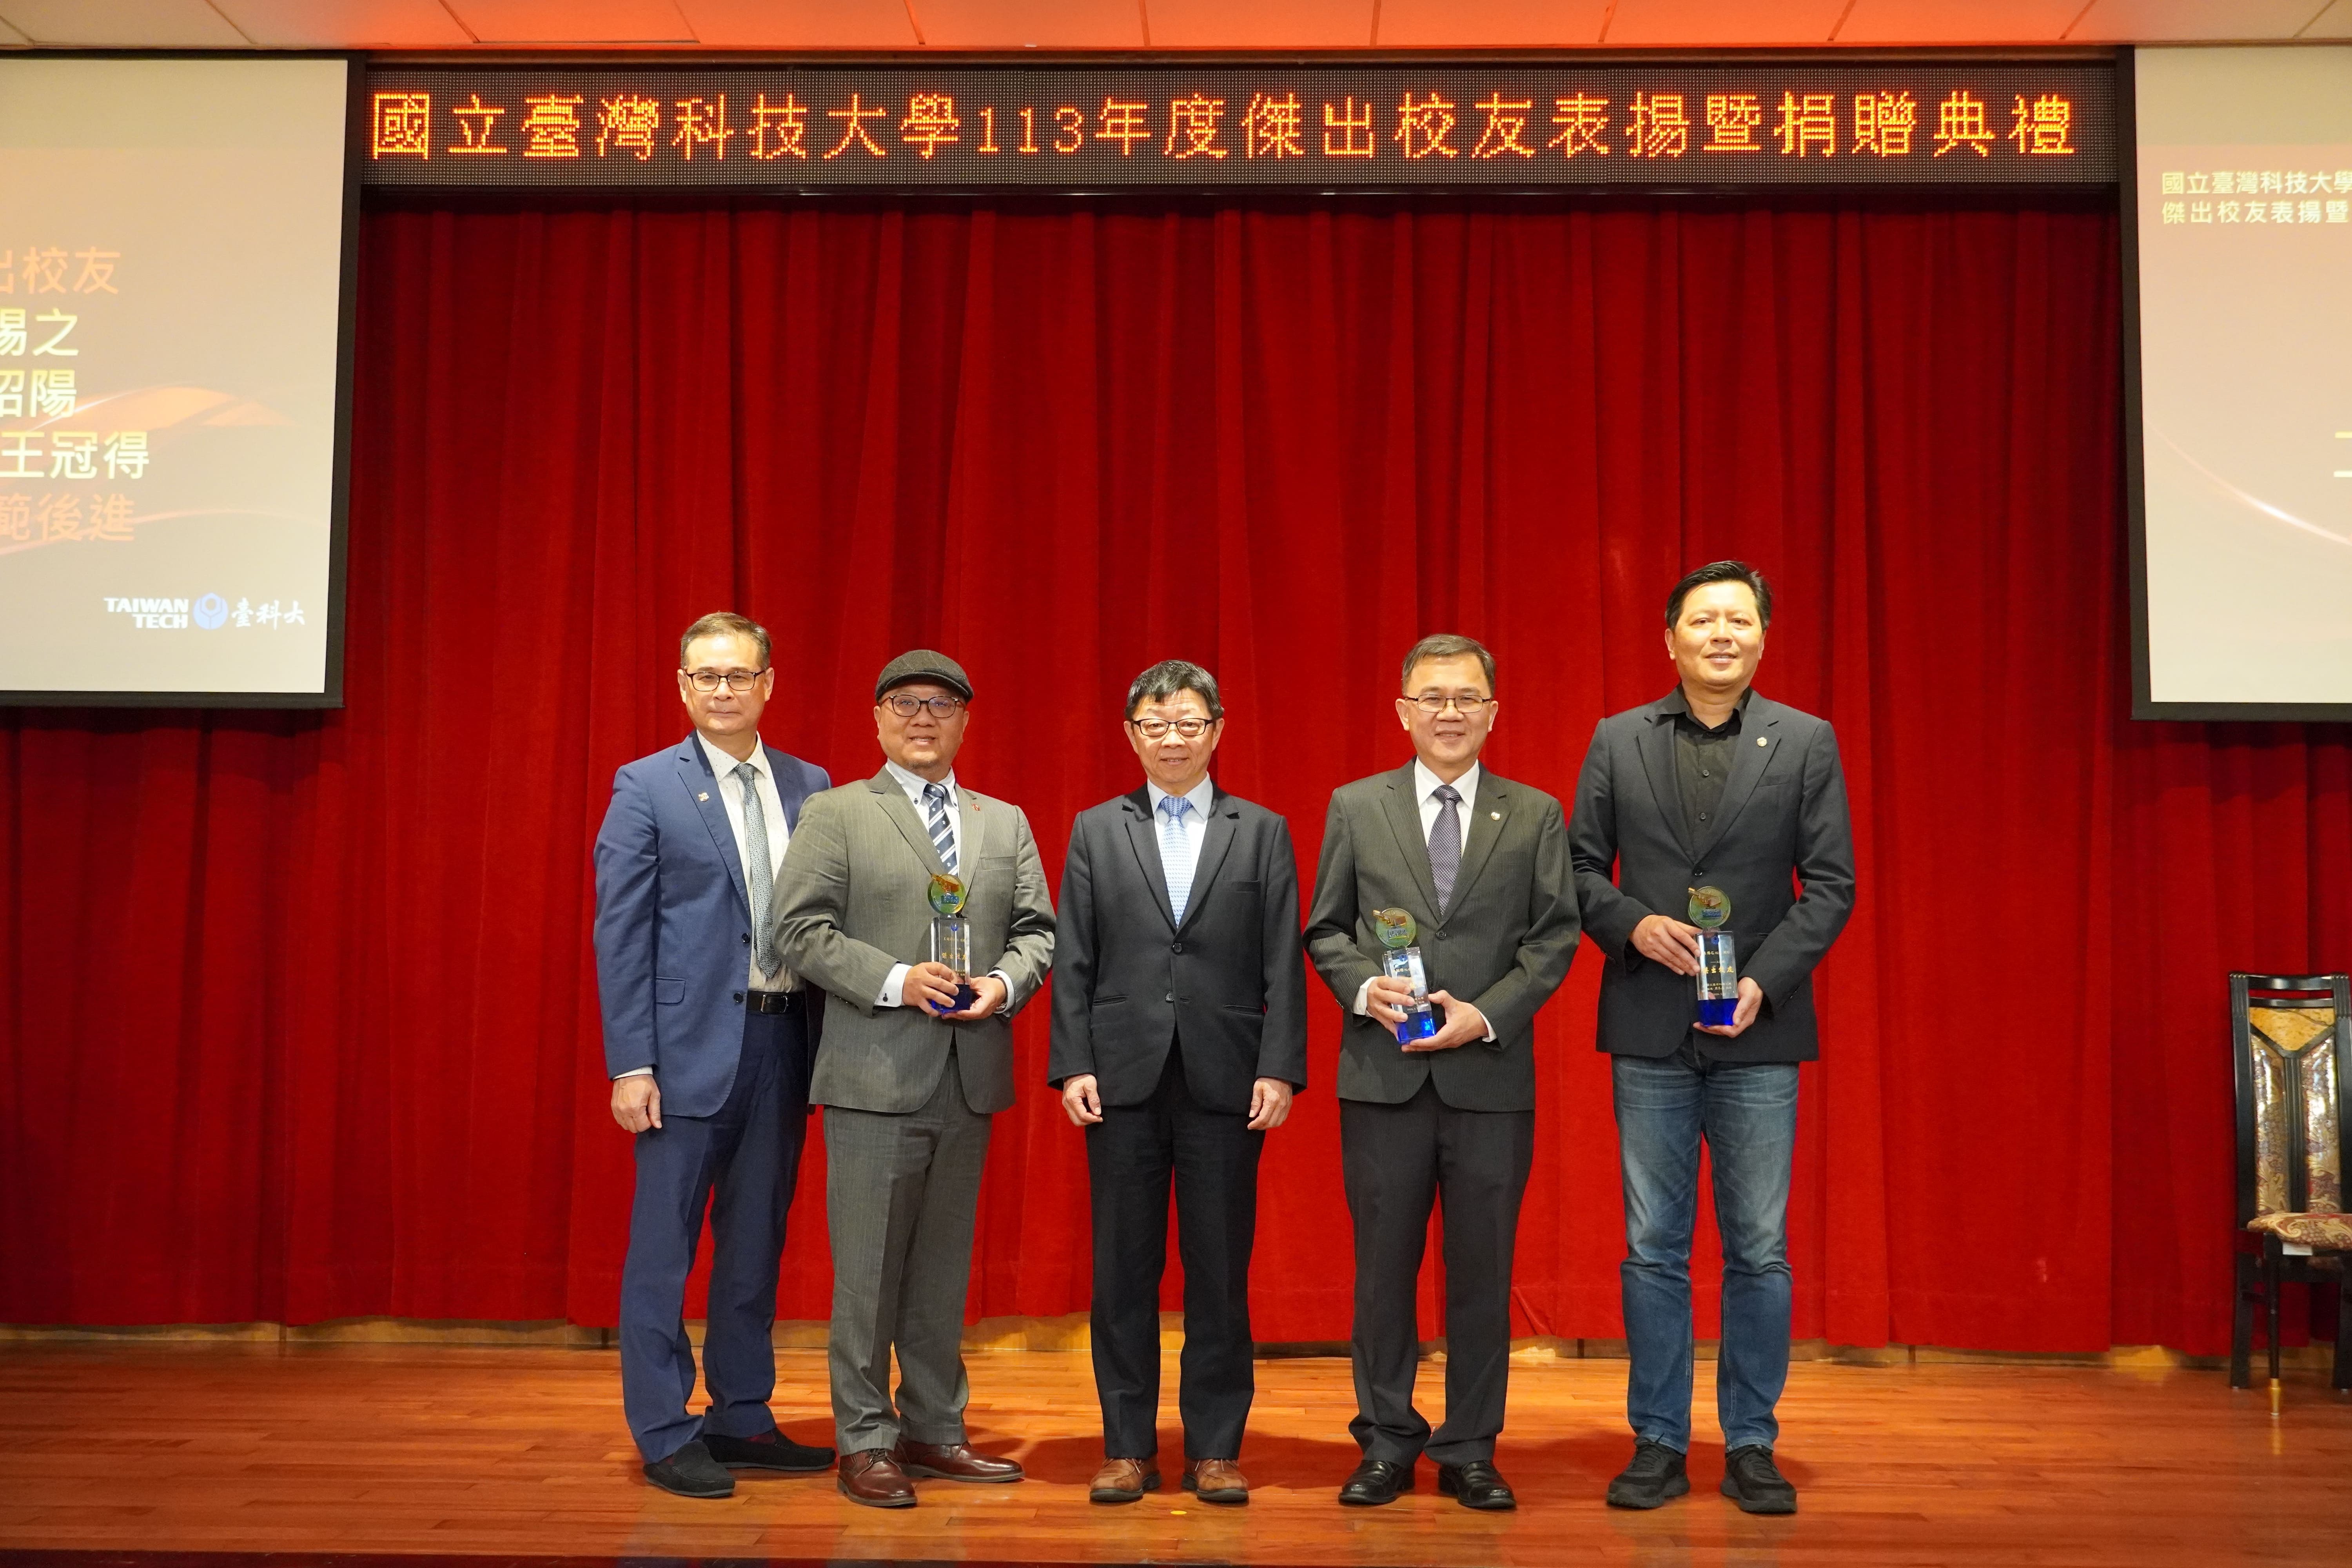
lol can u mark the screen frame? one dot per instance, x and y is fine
(331, 692)
(2144, 705)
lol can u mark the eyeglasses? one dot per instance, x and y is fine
(1468, 706)
(907, 707)
(1157, 729)
(736, 681)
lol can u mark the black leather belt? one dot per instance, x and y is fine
(771, 1001)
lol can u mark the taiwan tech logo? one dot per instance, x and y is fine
(211, 611)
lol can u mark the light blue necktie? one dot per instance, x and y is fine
(760, 871)
(1175, 854)
(935, 800)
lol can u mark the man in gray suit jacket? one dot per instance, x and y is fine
(1715, 788)
(915, 1059)
(1480, 865)
(1180, 1033)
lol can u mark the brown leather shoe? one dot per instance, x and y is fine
(1123, 1480)
(1216, 1480)
(952, 1462)
(872, 1478)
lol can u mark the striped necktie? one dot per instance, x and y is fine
(1446, 844)
(759, 869)
(935, 802)
(1175, 854)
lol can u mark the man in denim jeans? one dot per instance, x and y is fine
(1711, 796)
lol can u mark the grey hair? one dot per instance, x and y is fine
(1169, 677)
(1446, 645)
(726, 623)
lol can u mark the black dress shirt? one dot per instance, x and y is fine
(1702, 765)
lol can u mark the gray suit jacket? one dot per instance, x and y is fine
(853, 900)
(1504, 945)
(1783, 815)
(1228, 982)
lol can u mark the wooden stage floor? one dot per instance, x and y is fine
(501, 1452)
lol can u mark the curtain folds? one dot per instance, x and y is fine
(300, 1012)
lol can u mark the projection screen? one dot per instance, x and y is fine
(2240, 210)
(175, 307)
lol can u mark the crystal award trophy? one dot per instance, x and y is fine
(1718, 961)
(951, 939)
(1401, 961)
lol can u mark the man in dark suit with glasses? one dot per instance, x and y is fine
(1180, 1034)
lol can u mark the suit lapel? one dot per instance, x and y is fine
(1404, 819)
(1146, 845)
(1483, 829)
(1748, 761)
(1213, 847)
(896, 806)
(702, 787)
(1657, 747)
(790, 799)
(978, 823)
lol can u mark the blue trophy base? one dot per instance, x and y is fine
(966, 994)
(1716, 1012)
(1419, 1023)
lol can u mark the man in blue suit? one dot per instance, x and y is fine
(708, 1040)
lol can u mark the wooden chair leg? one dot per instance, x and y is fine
(2241, 1323)
(2343, 1379)
(2270, 1283)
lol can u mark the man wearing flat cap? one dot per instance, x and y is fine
(916, 1058)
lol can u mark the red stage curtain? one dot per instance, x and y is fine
(300, 1018)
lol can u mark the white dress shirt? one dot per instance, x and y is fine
(1426, 785)
(771, 806)
(894, 985)
(1195, 824)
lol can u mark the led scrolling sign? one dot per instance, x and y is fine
(1675, 126)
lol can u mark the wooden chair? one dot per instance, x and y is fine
(2292, 1038)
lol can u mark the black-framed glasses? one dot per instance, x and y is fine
(736, 681)
(907, 707)
(1157, 729)
(1468, 707)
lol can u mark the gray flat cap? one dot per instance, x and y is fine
(919, 665)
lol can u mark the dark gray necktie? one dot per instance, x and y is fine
(935, 804)
(1446, 844)
(759, 869)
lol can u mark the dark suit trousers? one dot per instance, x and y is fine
(1397, 1160)
(1131, 1155)
(744, 1163)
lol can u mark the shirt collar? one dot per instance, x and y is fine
(1677, 706)
(1202, 796)
(915, 783)
(724, 766)
(1425, 782)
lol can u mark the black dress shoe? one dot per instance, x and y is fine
(770, 1450)
(1375, 1482)
(691, 1472)
(1752, 1480)
(1656, 1474)
(1476, 1484)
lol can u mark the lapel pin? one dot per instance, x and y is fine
(702, 794)
(1762, 742)
(1496, 815)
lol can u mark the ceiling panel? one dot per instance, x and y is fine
(800, 23)
(1957, 21)
(122, 24)
(1688, 22)
(2336, 22)
(344, 23)
(570, 21)
(1030, 24)
(2134, 21)
(1492, 23)
(1260, 24)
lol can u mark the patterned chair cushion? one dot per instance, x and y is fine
(2331, 1231)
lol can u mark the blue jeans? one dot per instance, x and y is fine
(1748, 1113)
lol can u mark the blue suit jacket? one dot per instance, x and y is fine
(674, 922)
